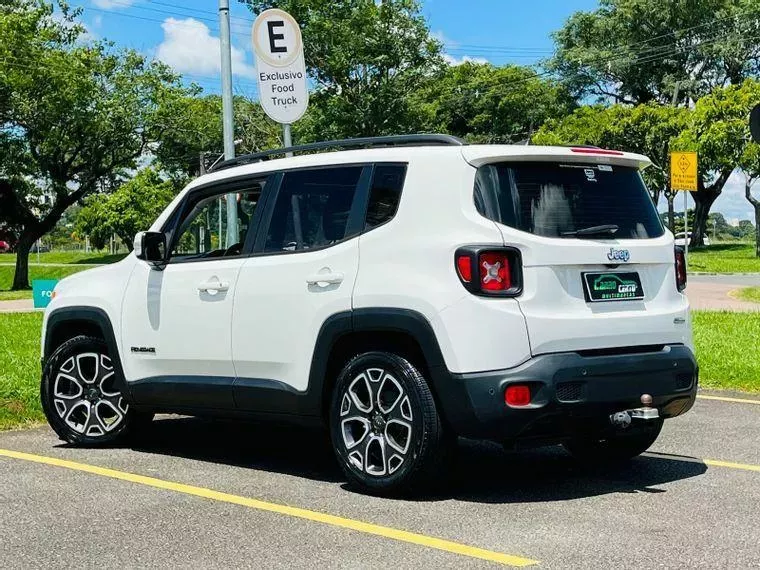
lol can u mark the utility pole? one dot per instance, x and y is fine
(227, 116)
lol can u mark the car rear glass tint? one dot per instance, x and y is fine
(552, 199)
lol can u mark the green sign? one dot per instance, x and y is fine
(42, 292)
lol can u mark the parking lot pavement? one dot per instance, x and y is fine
(674, 507)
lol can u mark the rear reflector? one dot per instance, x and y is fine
(517, 395)
(464, 267)
(581, 150)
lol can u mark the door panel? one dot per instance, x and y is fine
(188, 328)
(304, 271)
(176, 321)
(279, 310)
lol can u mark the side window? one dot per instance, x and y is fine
(202, 233)
(387, 183)
(312, 208)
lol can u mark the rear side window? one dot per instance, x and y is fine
(312, 208)
(555, 200)
(385, 194)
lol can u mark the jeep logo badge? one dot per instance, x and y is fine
(618, 254)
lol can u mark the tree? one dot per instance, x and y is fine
(489, 104)
(199, 133)
(750, 164)
(366, 59)
(645, 129)
(131, 208)
(719, 132)
(637, 51)
(74, 117)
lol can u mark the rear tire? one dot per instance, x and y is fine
(385, 429)
(619, 446)
(81, 396)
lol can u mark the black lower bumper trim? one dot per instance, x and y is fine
(569, 392)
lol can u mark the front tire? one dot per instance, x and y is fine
(616, 447)
(384, 425)
(81, 397)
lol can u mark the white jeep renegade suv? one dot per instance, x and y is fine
(401, 291)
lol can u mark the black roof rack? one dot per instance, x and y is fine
(394, 140)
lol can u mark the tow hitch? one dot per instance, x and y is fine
(624, 418)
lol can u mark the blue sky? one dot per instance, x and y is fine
(185, 34)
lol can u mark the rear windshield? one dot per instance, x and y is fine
(555, 200)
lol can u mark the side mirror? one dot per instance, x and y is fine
(151, 247)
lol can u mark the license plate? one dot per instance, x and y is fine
(613, 286)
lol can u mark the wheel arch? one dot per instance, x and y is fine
(68, 322)
(402, 331)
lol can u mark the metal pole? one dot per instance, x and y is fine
(227, 116)
(286, 140)
(686, 226)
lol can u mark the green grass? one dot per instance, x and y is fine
(724, 258)
(20, 369)
(15, 295)
(751, 294)
(36, 272)
(75, 261)
(727, 345)
(65, 257)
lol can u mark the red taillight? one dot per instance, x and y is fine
(489, 271)
(464, 267)
(582, 150)
(494, 271)
(680, 269)
(517, 395)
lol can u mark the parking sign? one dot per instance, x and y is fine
(280, 67)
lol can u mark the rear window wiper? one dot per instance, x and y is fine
(605, 229)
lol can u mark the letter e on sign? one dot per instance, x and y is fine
(280, 67)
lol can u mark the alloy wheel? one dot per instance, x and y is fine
(376, 422)
(86, 397)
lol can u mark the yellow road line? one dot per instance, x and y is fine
(730, 465)
(709, 462)
(726, 399)
(351, 524)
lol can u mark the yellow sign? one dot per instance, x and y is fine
(683, 171)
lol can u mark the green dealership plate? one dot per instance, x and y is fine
(613, 286)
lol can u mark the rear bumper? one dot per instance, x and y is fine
(570, 391)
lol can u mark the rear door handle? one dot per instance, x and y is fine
(214, 285)
(325, 279)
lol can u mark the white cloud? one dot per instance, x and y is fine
(97, 21)
(444, 39)
(190, 48)
(452, 60)
(112, 4)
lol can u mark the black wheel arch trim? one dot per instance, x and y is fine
(448, 395)
(94, 316)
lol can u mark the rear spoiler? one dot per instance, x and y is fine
(478, 155)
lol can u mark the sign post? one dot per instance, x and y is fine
(683, 176)
(280, 68)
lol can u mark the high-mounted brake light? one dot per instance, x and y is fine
(582, 150)
(489, 271)
(680, 269)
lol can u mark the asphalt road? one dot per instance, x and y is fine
(675, 507)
